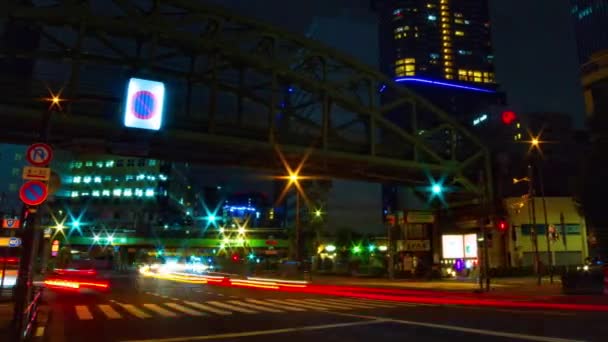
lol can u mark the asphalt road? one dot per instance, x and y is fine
(155, 310)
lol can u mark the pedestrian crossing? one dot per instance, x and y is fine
(248, 306)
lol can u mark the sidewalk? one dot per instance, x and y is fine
(525, 285)
(514, 289)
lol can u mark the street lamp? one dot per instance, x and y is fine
(318, 213)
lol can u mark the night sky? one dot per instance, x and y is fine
(535, 52)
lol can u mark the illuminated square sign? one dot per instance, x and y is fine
(144, 104)
(452, 246)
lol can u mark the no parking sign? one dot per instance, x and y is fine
(144, 104)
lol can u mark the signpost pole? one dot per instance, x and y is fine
(32, 194)
(24, 277)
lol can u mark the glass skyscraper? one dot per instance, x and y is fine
(439, 40)
(590, 18)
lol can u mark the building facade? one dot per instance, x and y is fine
(135, 194)
(447, 40)
(569, 242)
(13, 160)
(595, 84)
(590, 17)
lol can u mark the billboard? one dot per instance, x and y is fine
(470, 246)
(452, 246)
(144, 104)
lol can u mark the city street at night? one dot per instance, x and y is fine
(303, 171)
(144, 309)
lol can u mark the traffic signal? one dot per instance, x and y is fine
(508, 117)
(502, 225)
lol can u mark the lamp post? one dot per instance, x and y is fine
(535, 144)
(534, 231)
(293, 178)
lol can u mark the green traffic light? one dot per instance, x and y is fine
(437, 189)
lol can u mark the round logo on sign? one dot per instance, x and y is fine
(33, 193)
(144, 105)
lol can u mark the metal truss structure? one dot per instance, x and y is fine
(236, 89)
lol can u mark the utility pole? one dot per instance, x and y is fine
(549, 253)
(484, 274)
(534, 232)
(297, 225)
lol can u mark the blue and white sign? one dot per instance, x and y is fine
(144, 104)
(14, 242)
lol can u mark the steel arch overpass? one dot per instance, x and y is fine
(236, 88)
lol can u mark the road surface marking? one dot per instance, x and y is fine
(462, 329)
(344, 306)
(176, 299)
(134, 311)
(364, 303)
(529, 312)
(39, 332)
(323, 305)
(83, 312)
(254, 306)
(184, 309)
(349, 303)
(109, 311)
(261, 332)
(161, 311)
(298, 304)
(231, 307)
(275, 305)
(386, 303)
(221, 295)
(208, 308)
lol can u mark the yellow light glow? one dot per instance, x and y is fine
(293, 177)
(318, 213)
(535, 142)
(55, 100)
(241, 230)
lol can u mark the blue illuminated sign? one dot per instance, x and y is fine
(144, 104)
(441, 83)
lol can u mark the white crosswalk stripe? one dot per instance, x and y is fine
(327, 305)
(231, 307)
(181, 308)
(367, 302)
(254, 306)
(83, 313)
(134, 311)
(300, 302)
(161, 311)
(208, 308)
(287, 307)
(109, 311)
(115, 310)
(345, 304)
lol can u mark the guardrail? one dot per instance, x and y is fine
(30, 314)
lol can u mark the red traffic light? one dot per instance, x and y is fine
(508, 116)
(502, 225)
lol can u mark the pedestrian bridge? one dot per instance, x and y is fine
(236, 92)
